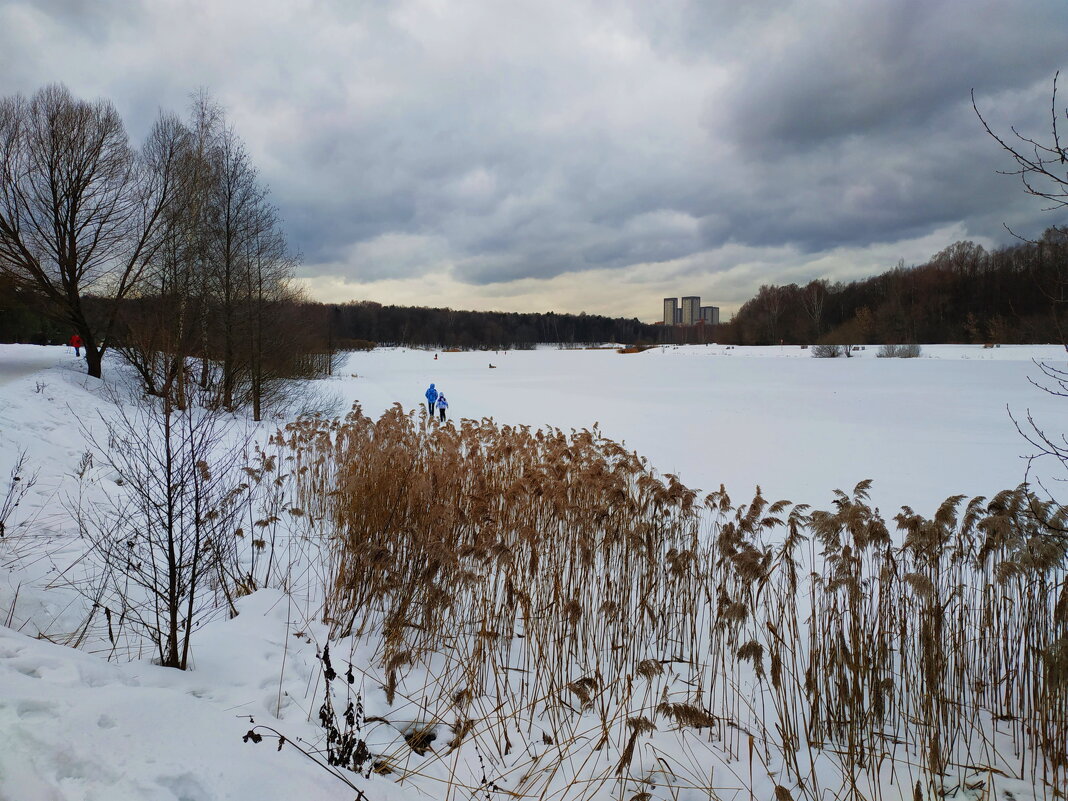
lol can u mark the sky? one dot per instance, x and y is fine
(586, 155)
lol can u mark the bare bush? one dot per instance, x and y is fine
(19, 482)
(165, 539)
(828, 351)
(907, 351)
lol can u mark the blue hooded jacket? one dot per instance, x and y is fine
(431, 394)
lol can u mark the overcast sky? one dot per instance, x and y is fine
(586, 156)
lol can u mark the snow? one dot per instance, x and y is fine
(22, 361)
(923, 429)
(73, 726)
(105, 723)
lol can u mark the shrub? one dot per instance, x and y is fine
(910, 351)
(162, 542)
(20, 481)
(827, 351)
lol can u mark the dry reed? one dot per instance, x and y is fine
(519, 581)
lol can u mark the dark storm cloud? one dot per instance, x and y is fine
(841, 128)
(858, 190)
(855, 126)
(505, 141)
(873, 67)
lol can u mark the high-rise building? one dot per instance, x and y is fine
(690, 313)
(691, 309)
(710, 315)
(671, 309)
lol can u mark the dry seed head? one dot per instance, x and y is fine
(687, 715)
(921, 585)
(649, 668)
(584, 689)
(398, 659)
(753, 651)
(734, 612)
(641, 725)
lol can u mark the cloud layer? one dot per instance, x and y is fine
(594, 155)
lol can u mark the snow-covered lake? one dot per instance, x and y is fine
(799, 427)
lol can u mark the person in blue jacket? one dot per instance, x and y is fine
(442, 405)
(431, 399)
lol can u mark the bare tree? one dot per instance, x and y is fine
(814, 298)
(219, 285)
(167, 324)
(268, 298)
(79, 209)
(1042, 170)
(1040, 165)
(238, 219)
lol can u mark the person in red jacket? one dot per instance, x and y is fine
(76, 343)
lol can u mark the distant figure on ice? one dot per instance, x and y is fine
(431, 399)
(76, 343)
(442, 405)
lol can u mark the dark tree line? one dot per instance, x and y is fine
(172, 254)
(963, 294)
(25, 317)
(446, 328)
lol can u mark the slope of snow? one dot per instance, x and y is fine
(73, 726)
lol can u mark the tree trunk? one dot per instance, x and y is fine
(93, 358)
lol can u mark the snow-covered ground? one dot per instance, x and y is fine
(76, 725)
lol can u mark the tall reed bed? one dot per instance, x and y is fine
(591, 629)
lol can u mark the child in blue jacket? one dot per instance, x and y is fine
(442, 405)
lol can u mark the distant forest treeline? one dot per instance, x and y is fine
(419, 326)
(965, 294)
(24, 317)
(1016, 294)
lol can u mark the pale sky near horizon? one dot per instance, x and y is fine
(586, 155)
